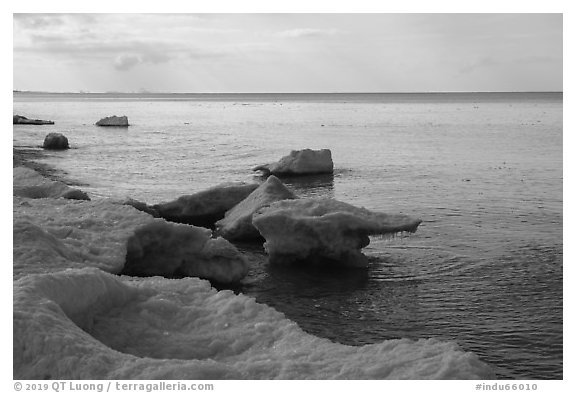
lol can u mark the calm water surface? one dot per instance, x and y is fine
(483, 172)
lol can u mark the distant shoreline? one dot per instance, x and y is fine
(286, 93)
(376, 98)
(28, 156)
(24, 156)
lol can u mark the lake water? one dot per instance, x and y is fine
(482, 170)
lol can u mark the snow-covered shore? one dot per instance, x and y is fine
(75, 318)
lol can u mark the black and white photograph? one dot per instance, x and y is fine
(220, 196)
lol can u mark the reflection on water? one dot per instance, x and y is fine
(313, 279)
(420, 292)
(308, 186)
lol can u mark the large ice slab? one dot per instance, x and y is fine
(55, 234)
(169, 249)
(87, 324)
(300, 162)
(206, 207)
(323, 228)
(237, 223)
(51, 235)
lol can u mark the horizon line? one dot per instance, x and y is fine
(324, 92)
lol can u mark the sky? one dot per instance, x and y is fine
(216, 53)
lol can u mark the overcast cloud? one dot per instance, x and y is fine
(288, 52)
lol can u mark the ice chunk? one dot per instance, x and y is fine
(17, 119)
(300, 162)
(324, 228)
(113, 121)
(169, 249)
(87, 324)
(237, 223)
(55, 141)
(142, 206)
(30, 184)
(205, 207)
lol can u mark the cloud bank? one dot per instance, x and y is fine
(288, 52)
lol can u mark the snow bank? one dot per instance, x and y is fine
(87, 324)
(324, 228)
(168, 249)
(300, 162)
(237, 223)
(30, 184)
(54, 234)
(205, 207)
